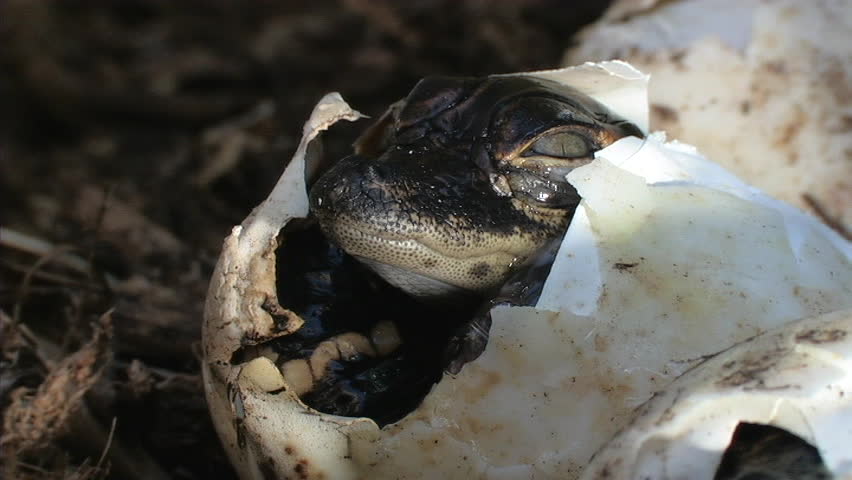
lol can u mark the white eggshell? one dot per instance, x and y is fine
(796, 377)
(761, 87)
(669, 259)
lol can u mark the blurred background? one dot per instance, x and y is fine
(133, 135)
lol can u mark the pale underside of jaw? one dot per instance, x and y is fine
(412, 283)
(421, 266)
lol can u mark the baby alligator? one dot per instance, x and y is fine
(463, 180)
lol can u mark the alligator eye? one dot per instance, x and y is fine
(561, 145)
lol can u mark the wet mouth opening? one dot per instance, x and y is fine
(366, 349)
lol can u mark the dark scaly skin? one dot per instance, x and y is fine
(425, 200)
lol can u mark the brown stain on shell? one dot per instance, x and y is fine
(487, 381)
(601, 343)
(750, 370)
(817, 336)
(663, 114)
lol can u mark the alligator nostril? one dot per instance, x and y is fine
(326, 193)
(335, 185)
(318, 201)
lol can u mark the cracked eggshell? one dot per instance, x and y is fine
(668, 259)
(796, 377)
(267, 431)
(242, 310)
(760, 86)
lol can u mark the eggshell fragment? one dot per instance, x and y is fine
(796, 377)
(669, 259)
(760, 86)
(258, 417)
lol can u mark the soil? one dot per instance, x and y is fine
(133, 135)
